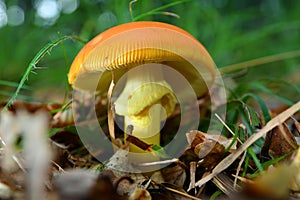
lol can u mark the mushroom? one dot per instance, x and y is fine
(142, 50)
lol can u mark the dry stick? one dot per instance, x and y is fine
(60, 169)
(227, 127)
(177, 192)
(193, 167)
(297, 124)
(221, 184)
(161, 162)
(243, 157)
(239, 169)
(111, 111)
(181, 193)
(226, 162)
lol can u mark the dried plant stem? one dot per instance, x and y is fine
(177, 192)
(226, 162)
(227, 127)
(239, 169)
(161, 162)
(182, 194)
(111, 111)
(193, 168)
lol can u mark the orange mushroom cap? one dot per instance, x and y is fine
(135, 43)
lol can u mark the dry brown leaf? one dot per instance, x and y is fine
(226, 162)
(225, 184)
(140, 194)
(206, 147)
(297, 124)
(196, 136)
(279, 141)
(174, 175)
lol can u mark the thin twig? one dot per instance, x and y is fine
(239, 169)
(57, 165)
(177, 192)
(110, 111)
(193, 168)
(161, 162)
(227, 127)
(226, 162)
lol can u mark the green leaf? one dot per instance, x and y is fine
(261, 103)
(253, 118)
(234, 139)
(159, 151)
(215, 195)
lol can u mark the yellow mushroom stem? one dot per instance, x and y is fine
(145, 102)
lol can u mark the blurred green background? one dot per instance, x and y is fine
(232, 31)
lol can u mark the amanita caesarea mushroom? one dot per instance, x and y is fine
(142, 50)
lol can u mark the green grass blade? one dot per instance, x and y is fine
(247, 162)
(215, 195)
(47, 48)
(158, 10)
(268, 91)
(13, 84)
(234, 139)
(255, 159)
(269, 163)
(252, 116)
(261, 103)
